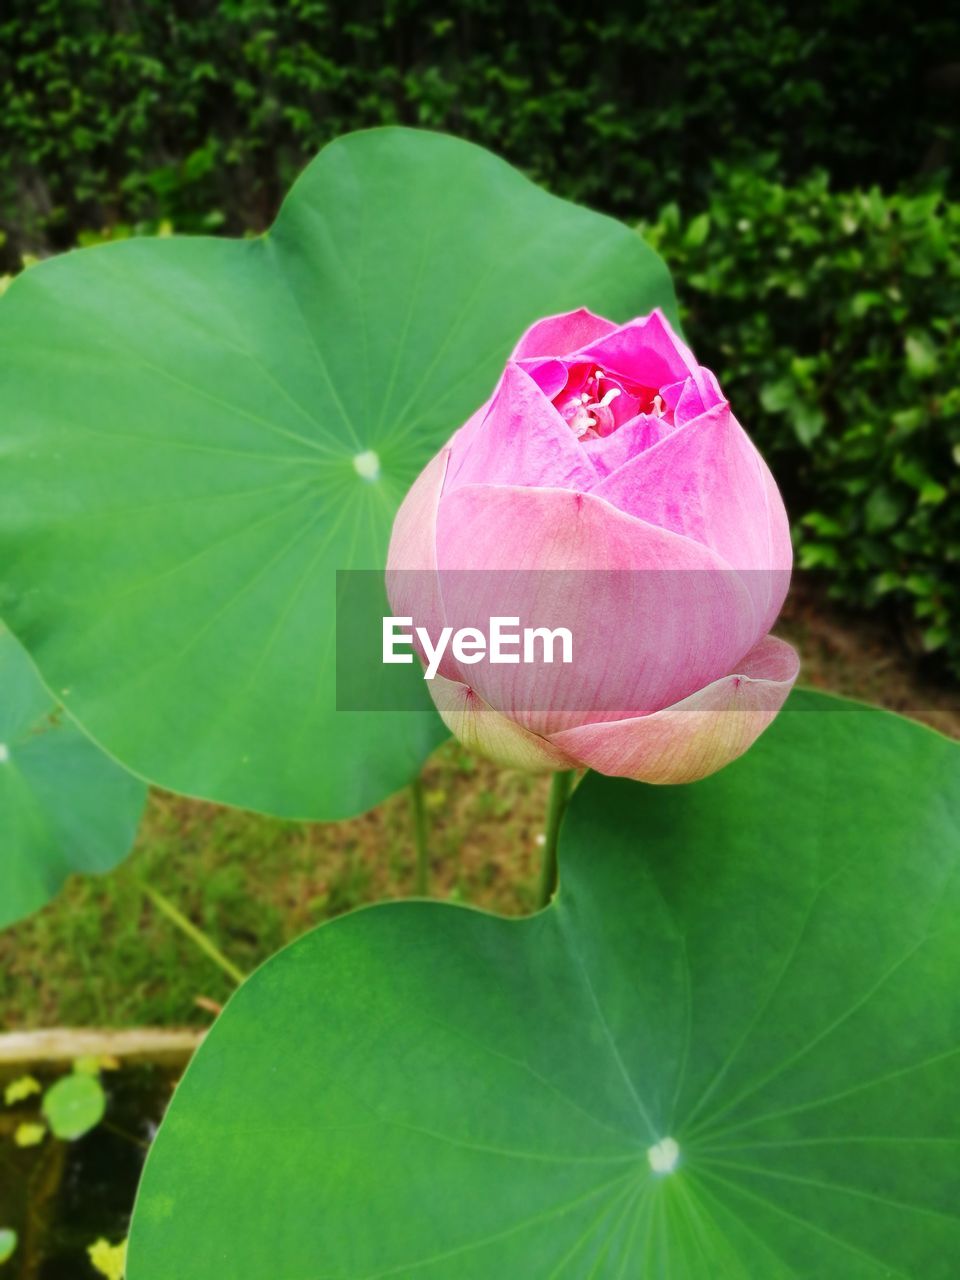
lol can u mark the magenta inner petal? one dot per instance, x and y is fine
(559, 335)
(609, 454)
(522, 440)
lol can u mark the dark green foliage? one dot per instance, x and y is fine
(202, 110)
(833, 322)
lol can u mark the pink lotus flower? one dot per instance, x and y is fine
(605, 448)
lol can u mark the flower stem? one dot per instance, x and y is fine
(196, 936)
(422, 874)
(560, 787)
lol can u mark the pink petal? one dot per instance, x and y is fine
(413, 539)
(646, 352)
(413, 587)
(549, 375)
(522, 440)
(462, 439)
(666, 618)
(684, 400)
(609, 453)
(693, 396)
(707, 481)
(697, 736)
(482, 729)
(559, 335)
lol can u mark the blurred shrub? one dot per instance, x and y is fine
(202, 111)
(833, 322)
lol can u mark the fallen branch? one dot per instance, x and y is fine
(160, 1045)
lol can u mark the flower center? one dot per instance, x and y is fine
(588, 410)
(595, 403)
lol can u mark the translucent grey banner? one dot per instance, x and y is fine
(572, 645)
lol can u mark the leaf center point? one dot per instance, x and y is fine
(367, 465)
(663, 1156)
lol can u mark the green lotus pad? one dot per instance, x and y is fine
(197, 433)
(729, 1048)
(64, 806)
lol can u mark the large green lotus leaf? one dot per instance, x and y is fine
(728, 1051)
(64, 805)
(197, 433)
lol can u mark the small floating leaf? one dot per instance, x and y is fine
(108, 1259)
(74, 1106)
(29, 1134)
(20, 1089)
(8, 1243)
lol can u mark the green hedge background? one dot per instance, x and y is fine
(833, 323)
(796, 164)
